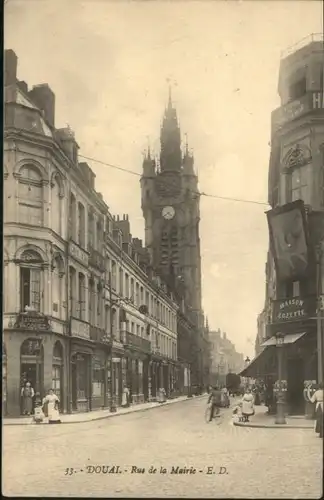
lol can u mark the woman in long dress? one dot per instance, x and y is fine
(125, 398)
(51, 401)
(317, 398)
(27, 394)
(247, 405)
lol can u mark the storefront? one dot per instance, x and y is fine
(34, 354)
(81, 377)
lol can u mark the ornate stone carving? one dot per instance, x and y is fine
(297, 156)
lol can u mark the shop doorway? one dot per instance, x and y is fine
(32, 368)
(295, 380)
(74, 385)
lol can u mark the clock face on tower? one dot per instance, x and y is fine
(168, 212)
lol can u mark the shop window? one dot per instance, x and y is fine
(30, 281)
(97, 379)
(140, 377)
(30, 196)
(57, 369)
(4, 379)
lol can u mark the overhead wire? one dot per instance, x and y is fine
(137, 174)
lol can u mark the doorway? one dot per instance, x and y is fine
(295, 380)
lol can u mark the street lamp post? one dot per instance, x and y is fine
(280, 416)
(113, 408)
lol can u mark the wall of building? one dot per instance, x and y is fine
(74, 282)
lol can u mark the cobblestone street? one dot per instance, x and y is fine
(260, 463)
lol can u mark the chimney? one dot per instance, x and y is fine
(11, 63)
(23, 87)
(67, 141)
(44, 99)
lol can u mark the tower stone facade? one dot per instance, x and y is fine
(170, 204)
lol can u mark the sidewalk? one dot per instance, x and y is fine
(78, 418)
(261, 419)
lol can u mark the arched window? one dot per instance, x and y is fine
(73, 217)
(56, 205)
(30, 196)
(31, 281)
(57, 285)
(57, 370)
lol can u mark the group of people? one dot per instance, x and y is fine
(50, 403)
(219, 398)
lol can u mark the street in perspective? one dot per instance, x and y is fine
(163, 294)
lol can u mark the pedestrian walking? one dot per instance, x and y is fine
(247, 405)
(51, 402)
(225, 398)
(125, 398)
(27, 394)
(317, 398)
(215, 399)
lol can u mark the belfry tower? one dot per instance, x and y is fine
(170, 204)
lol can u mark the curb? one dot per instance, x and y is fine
(273, 426)
(109, 415)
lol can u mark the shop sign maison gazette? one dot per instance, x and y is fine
(293, 309)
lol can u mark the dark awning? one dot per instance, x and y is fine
(256, 367)
(289, 338)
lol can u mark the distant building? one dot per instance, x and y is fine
(224, 358)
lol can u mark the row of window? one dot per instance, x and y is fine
(85, 229)
(130, 289)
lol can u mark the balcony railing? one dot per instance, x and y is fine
(96, 259)
(133, 340)
(80, 329)
(313, 37)
(96, 333)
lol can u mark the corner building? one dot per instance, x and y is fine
(296, 182)
(75, 286)
(170, 204)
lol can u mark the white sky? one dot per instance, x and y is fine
(108, 64)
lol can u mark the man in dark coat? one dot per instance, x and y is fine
(215, 397)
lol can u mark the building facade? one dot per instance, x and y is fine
(170, 204)
(224, 357)
(294, 272)
(84, 313)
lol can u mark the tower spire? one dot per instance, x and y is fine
(170, 98)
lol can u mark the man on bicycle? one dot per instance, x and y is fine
(215, 397)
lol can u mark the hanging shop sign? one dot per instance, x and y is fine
(289, 240)
(293, 309)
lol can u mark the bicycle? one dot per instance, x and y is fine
(218, 415)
